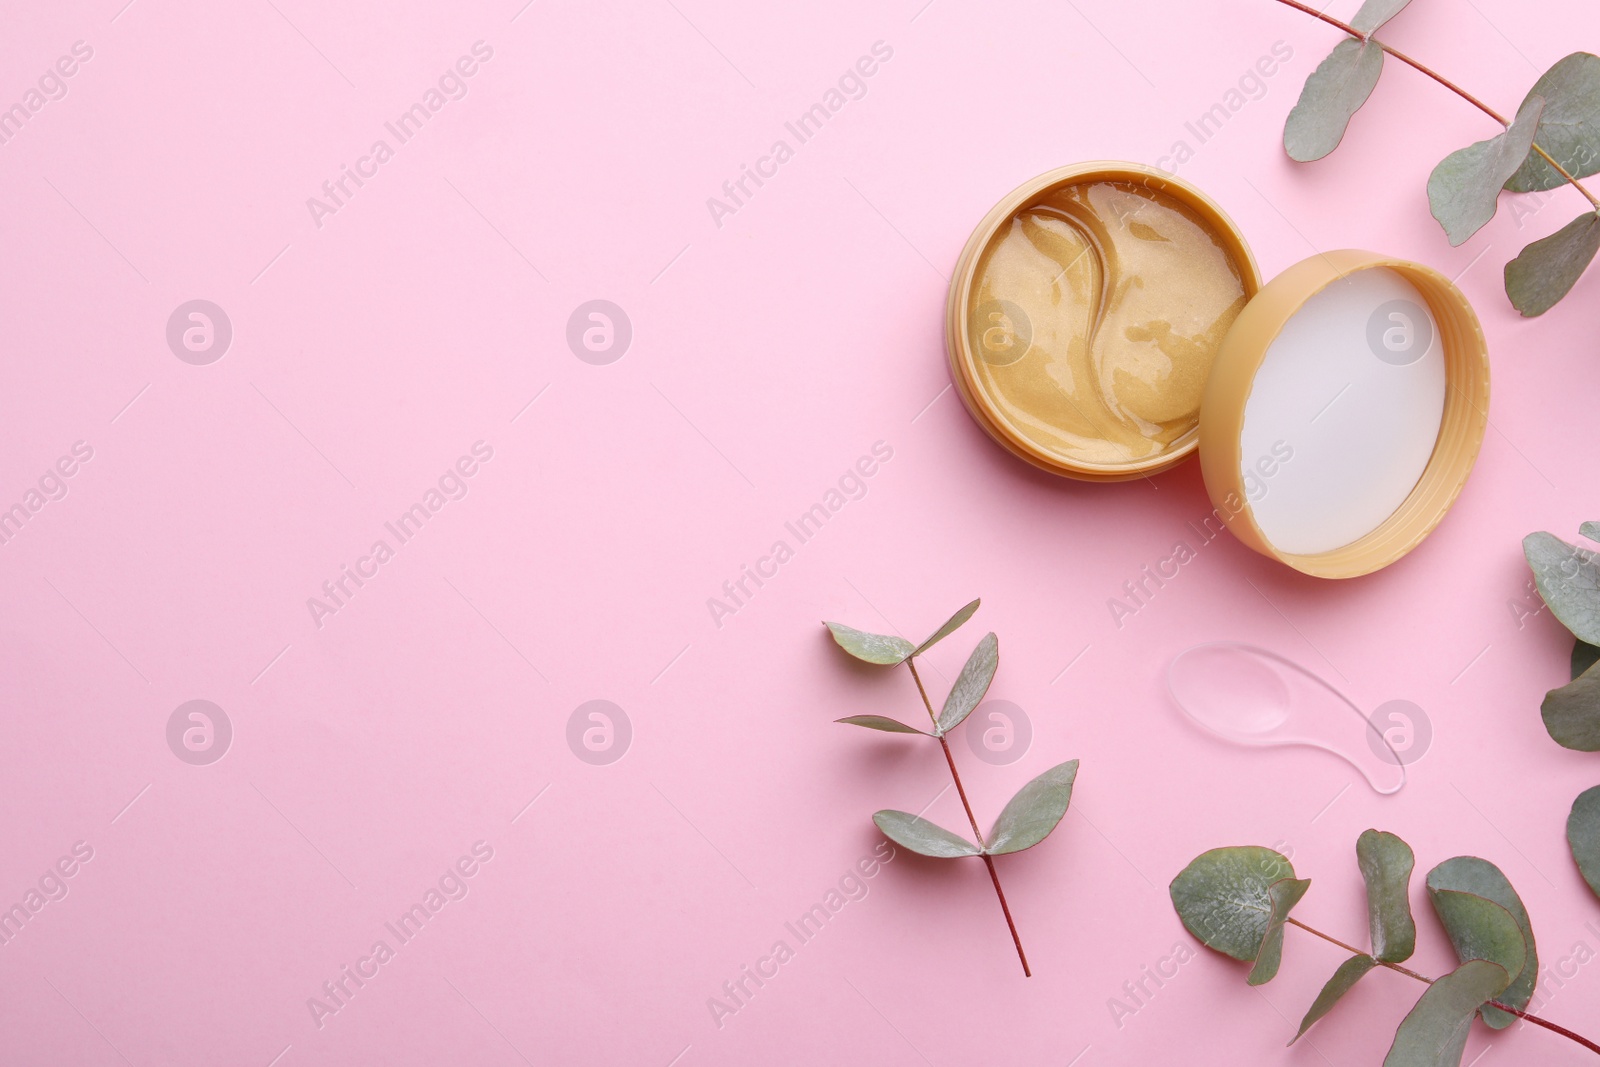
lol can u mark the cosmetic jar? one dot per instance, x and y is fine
(1107, 320)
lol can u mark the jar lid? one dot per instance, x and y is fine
(1106, 320)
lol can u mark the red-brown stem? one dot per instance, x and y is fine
(988, 861)
(1409, 973)
(961, 790)
(1442, 80)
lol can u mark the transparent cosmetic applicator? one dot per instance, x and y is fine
(1257, 698)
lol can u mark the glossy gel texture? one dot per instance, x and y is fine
(1095, 314)
(1257, 698)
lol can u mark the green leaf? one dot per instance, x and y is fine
(1546, 270)
(921, 836)
(1583, 835)
(971, 684)
(1584, 656)
(1434, 1034)
(882, 722)
(1572, 713)
(1570, 128)
(881, 649)
(950, 627)
(1375, 13)
(1480, 929)
(1333, 93)
(1568, 578)
(1386, 863)
(1035, 811)
(1344, 979)
(1284, 894)
(1591, 530)
(1224, 897)
(1480, 933)
(1462, 189)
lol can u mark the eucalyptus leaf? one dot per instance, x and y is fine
(1386, 863)
(1591, 530)
(1480, 929)
(1434, 1034)
(1333, 94)
(1568, 578)
(921, 836)
(1572, 713)
(1344, 979)
(1375, 13)
(1284, 894)
(950, 627)
(1035, 811)
(1583, 835)
(882, 722)
(1224, 898)
(971, 684)
(1463, 189)
(881, 649)
(1478, 932)
(1584, 656)
(1570, 128)
(1546, 270)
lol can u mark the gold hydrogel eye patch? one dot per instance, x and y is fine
(1094, 314)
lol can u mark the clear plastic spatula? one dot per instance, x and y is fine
(1254, 697)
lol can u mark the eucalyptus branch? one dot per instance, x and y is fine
(1027, 819)
(1409, 973)
(1237, 902)
(1568, 580)
(1553, 139)
(1442, 80)
(988, 860)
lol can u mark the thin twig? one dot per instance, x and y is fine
(1442, 80)
(961, 790)
(1409, 973)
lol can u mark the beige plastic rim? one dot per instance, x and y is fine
(963, 371)
(1466, 411)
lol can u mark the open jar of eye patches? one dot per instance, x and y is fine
(1107, 320)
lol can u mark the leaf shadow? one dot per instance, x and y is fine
(879, 756)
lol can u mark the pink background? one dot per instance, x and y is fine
(768, 354)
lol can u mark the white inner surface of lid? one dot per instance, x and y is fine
(1343, 414)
